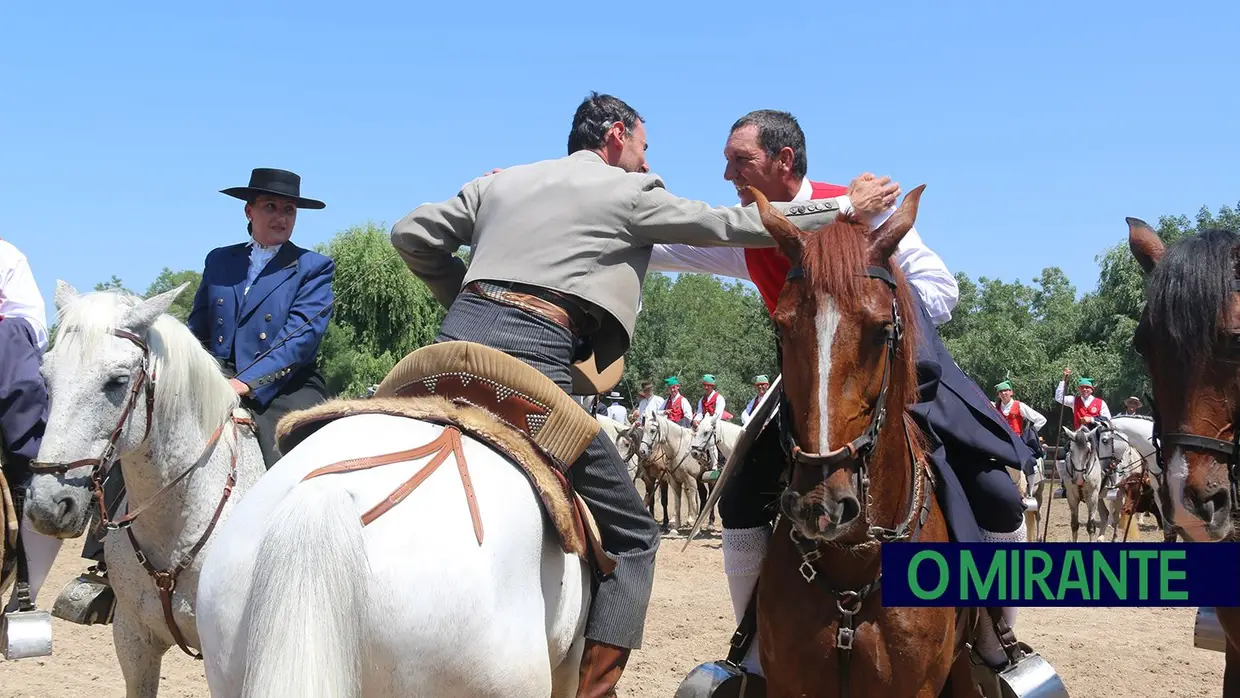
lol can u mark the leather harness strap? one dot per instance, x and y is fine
(447, 443)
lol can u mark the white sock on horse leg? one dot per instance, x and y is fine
(41, 552)
(743, 552)
(988, 644)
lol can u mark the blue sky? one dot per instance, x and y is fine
(1036, 127)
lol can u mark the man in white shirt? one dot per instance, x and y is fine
(615, 410)
(760, 383)
(19, 294)
(676, 407)
(712, 403)
(647, 403)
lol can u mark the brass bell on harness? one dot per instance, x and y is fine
(1207, 632)
(1030, 676)
(87, 600)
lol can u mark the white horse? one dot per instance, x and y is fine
(1123, 461)
(618, 433)
(299, 598)
(713, 438)
(1138, 432)
(1081, 473)
(177, 465)
(663, 437)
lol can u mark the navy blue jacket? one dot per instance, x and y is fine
(23, 399)
(295, 286)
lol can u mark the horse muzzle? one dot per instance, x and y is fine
(1212, 506)
(820, 515)
(57, 509)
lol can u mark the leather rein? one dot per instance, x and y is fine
(101, 467)
(855, 455)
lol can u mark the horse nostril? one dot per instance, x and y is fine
(849, 509)
(64, 506)
(1210, 504)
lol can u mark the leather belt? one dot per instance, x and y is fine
(541, 302)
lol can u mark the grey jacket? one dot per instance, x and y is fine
(578, 226)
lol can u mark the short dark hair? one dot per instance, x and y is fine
(594, 116)
(778, 130)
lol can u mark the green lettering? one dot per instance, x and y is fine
(1164, 558)
(1032, 577)
(1075, 566)
(1144, 584)
(916, 588)
(1103, 568)
(971, 576)
(1015, 576)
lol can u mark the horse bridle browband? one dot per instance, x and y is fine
(101, 467)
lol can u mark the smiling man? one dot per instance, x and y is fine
(971, 445)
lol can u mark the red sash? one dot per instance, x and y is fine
(675, 408)
(708, 403)
(1079, 410)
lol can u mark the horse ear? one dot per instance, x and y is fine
(883, 242)
(65, 294)
(786, 235)
(1145, 244)
(142, 316)
(1070, 434)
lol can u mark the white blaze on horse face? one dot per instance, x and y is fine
(827, 321)
(1177, 479)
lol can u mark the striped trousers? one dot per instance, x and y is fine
(629, 533)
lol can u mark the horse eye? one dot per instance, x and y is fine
(117, 382)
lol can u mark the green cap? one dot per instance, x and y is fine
(760, 379)
(1005, 385)
(671, 381)
(708, 379)
(1085, 381)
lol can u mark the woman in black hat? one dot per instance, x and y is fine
(261, 309)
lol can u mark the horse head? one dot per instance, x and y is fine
(1082, 451)
(704, 447)
(117, 366)
(848, 330)
(1188, 338)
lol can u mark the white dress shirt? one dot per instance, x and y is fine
(260, 256)
(19, 294)
(1070, 401)
(921, 266)
(617, 412)
(649, 405)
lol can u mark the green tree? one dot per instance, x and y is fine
(168, 280)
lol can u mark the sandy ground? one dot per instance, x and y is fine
(1099, 652)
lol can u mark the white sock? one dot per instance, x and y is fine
(988, 644)
(41, 552)
(743, 552)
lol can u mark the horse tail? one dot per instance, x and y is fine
(308, 599)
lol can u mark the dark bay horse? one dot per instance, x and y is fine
(1189, 338)
(859, 477)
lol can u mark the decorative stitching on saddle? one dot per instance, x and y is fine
(534, 421)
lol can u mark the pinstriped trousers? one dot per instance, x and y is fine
(629, 533)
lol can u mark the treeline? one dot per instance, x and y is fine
(696, 324)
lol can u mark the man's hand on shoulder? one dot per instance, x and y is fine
(872, 195)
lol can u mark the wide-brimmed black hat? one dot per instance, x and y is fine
(264, 180)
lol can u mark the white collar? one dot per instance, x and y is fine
(806, 192)
(255, 246)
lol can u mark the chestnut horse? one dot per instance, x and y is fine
(848, 351)
(1188, 337)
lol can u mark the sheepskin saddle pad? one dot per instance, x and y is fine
(499, 401)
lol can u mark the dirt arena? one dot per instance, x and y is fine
(1099, 652)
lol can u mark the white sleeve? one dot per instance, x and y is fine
(19, 294)
(1034, 416)
(928, 274)
(1059, 397)
(1106, 411)
(724, 261)
(719, 407)
(698, 414)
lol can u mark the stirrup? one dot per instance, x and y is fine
(721, 679)
(1027, 676)
(87, 600)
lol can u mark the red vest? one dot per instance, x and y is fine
(768, 267)
(1015, 419)
(1079, 410)
(675, 408)
(708, 403)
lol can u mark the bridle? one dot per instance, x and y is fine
(855, 455)
(166, 579)
(1229, 450)
(1069, 461)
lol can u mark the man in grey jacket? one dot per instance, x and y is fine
(559, 251)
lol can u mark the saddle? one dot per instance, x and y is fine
(497, 400)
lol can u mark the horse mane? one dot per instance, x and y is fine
(187, 378)
(1187, 294)
(834, 260)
